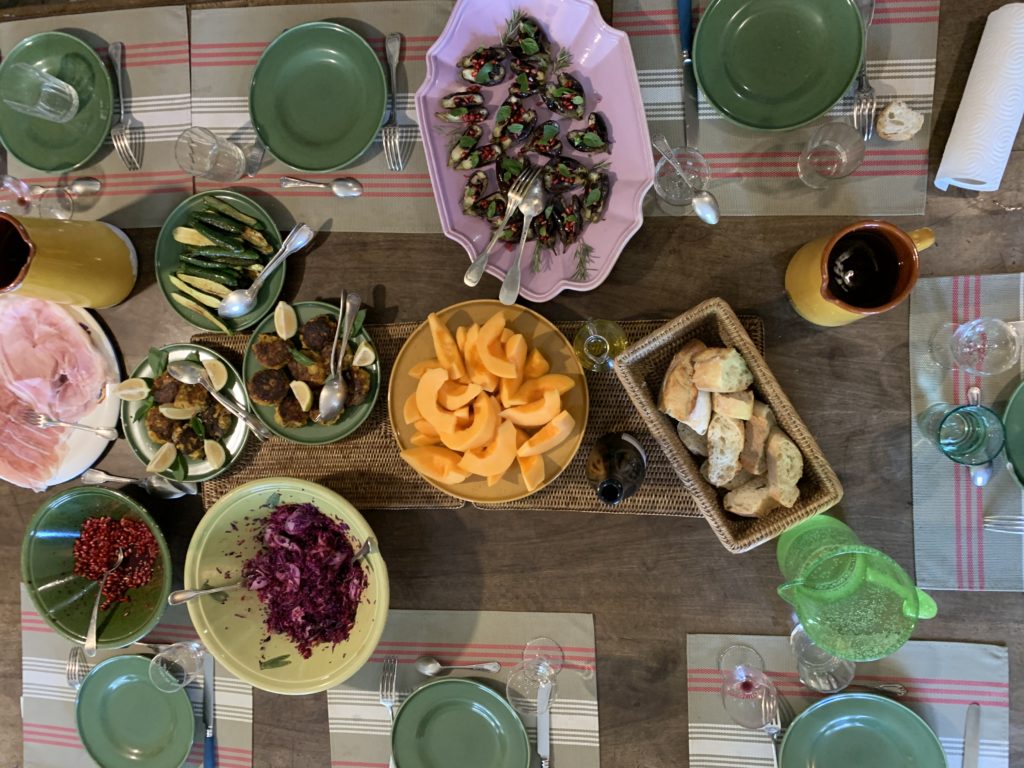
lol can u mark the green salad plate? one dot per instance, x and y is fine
(774, 65)
(313, 433)
(1013, 426)
(59, 147)
(458, 723)
(125, 721)
(855, 730)
(64, 600)
(169, 252)
(318, 96)
(232, 624)
(134, 412)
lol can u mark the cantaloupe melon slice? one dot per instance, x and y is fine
(435, 462)
(533, 389)
(536, 365)
(515, 352)
(424, 427)
(463, 417)
(482, 431)
(488, 346)
(535, 414)
(478, 374)
(494, 458)
(532, 468)
(426, 400)
(410, 413)
(454, 395)
(460, 340)
(506, 334)
(551, 435)
(445, 348)
(423, 366)
(418, 438)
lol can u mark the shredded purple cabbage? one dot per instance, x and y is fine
(306, 576)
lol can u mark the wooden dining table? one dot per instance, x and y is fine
(648, 581)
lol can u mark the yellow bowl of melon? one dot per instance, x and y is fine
(488, 403)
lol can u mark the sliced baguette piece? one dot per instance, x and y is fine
(898, 122)
(751, 499)
(725, 441)
(721, 369)
(785, 468)
(695, 444)
(758, 427)
(678, 394)
(700, 416)
(736, 405)
(786, 495)
(741, 477)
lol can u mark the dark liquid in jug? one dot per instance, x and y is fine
(863, 270)
(13, 254)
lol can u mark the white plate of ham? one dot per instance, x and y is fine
(55, 360)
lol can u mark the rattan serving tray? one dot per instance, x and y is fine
(641, 369)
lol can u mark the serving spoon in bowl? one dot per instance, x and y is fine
(334, 392)
(188, 372)
(241, 301)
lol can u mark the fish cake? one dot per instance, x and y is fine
(318, 333)
(357, 382)
(268, 386)
(164, 389)
(159, 428)
(187, 441)
(315, 373)
(272, 351)
(215, 420)
(191, 396)
(289, 413)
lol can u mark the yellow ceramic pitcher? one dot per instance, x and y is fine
(811, 288)
(87, 263)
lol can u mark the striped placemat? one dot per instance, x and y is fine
(157, 82)
(952, 549)
(360, 726)
(49, 734)
(942, 679)
(754, 173)
(226, 44)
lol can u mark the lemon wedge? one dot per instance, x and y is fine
(132, 390)
(303, 394)
(214, 453)
(178, 414)
(286, 323)
(364, 355)
(217, 371)
(163, 459)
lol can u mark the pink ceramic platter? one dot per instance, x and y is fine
(603, 63)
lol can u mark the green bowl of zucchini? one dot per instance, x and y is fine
(211, 244)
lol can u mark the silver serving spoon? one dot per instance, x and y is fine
(347, 187)
(532, 205)
(429, 666)
(90, 635)
(241, 301)
(705, 205)
(334, 392)
(155, 485)
(188, 372)
(77, 188)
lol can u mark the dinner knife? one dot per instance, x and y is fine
(544, 724)
(972, 736)
(691, 129)
(209, 745)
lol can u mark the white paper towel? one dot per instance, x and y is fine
(990, 112)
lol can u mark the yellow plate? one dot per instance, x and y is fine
(233, 628)
(539, 333)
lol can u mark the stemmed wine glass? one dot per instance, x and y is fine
(16, 196)
(984, 347)
(748, 695)
(542, 661)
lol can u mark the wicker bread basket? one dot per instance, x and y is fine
(641, 368)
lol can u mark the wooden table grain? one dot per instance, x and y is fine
(647, 581)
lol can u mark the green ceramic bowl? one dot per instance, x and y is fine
(318, 96)
(59, 147)
(65, 601)
(168, 250)
(232, 627)
(314, 434)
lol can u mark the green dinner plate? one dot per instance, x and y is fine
(777, 64)
(318, 96)
(168, 250)
(458, 723)
(854, 730)
(125, 721)
(198, 470)
(314, 434)
(232, 626)
(59, 147)
(1013, 426)
(65, 601)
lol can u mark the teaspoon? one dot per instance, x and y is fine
(241, 301)
(704, 203)
(429, 666)
(347, 187)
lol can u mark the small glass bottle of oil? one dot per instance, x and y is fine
(597, 343)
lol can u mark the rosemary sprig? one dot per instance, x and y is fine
(512, 26)
(536, 264)
(563, 60)
(582, 256)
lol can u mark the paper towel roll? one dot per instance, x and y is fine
(990, 112)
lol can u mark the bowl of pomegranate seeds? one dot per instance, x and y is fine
(71, 542)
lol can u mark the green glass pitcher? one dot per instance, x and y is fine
(855, 602)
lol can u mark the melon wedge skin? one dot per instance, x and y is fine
(494, 458)
(551, 435)
(535, 414)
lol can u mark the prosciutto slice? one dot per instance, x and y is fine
(29, 456)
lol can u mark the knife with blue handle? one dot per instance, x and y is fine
(210, 743)
(691, 126)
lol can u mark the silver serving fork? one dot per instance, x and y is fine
(126, 134)
(864, 101)
(33, 419)
(390, 136)
(389, 689)
(1005, 524)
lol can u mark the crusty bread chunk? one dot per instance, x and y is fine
(785, 467)
(898, 122)
(786, 495)
(758, 427)
(696, 444)
(721, 369)
(736, 405)
(741, 476)
(751, 499)
(725, 441)
(700, 416)
(678, 393)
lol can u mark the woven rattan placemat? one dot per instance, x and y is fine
(366, 469)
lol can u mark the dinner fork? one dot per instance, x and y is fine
(77, 667)
(33, 419)
(127, 132)
(390, 136)
(1005, 524)
(515, 197)
(864, 101)
(389, 690)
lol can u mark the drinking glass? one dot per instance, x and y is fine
(32, 91)
(987, 346)
(546, 650)
(819, 670)
(675, 191)
(202, 153)
(597, 343)
(56, 203)
(542, 661)
(748, 695)
(176, 666)
(970, 434)
(834, 151)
